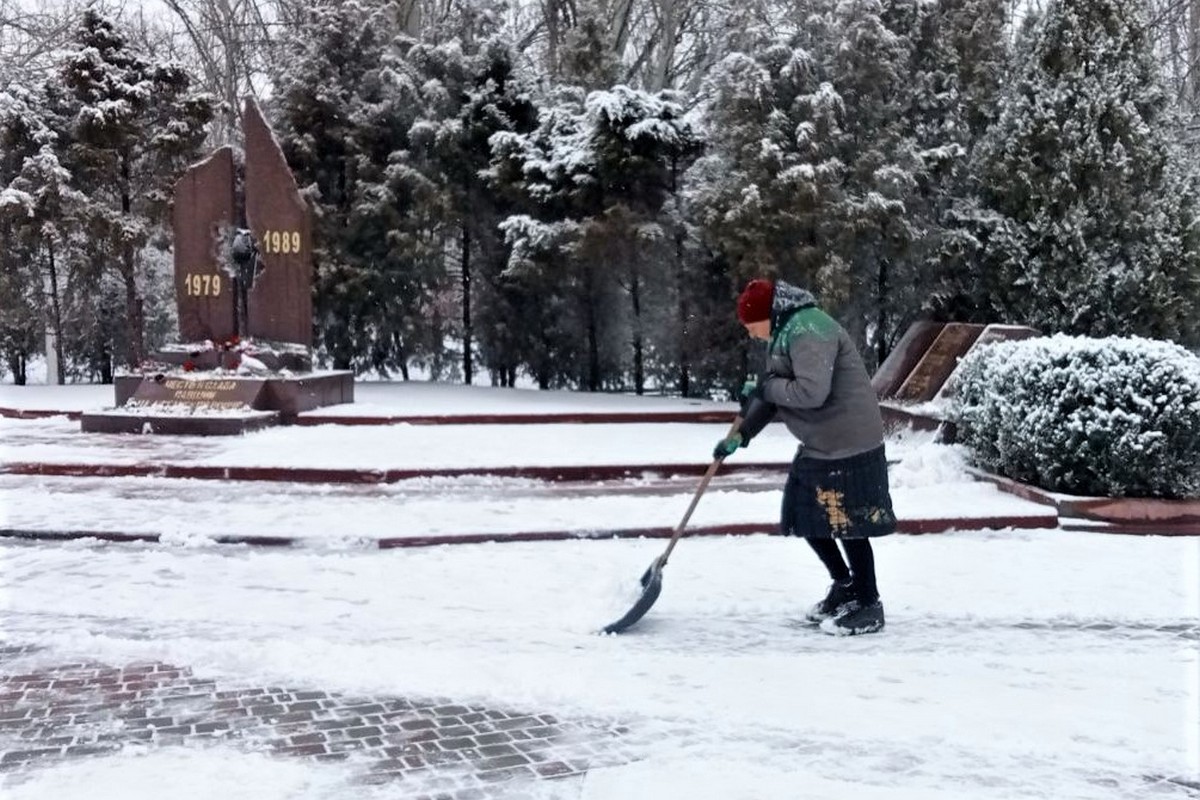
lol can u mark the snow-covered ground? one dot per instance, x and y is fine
(928, 480)
(1032, 664)
(1015, 664)
(374, 398)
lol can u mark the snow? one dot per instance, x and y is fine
(1015, 664)
(927, 480)
(987, 682)
(385, 398)
(141, 774)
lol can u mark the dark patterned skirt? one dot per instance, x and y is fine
(843, 498)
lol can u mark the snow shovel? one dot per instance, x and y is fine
(652, 578)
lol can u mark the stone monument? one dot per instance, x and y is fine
(913, 382)
(243, 290)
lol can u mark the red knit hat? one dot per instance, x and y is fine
(754, 303)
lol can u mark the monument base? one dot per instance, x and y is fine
(199, 424)
(215, 403)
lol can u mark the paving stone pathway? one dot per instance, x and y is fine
(433, 748)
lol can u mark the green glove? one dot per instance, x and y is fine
(749, 387)
(727, 446)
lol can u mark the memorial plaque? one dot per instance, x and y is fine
(204, 203)
(207, 394)
(904, 356)
(280, 301)
(940, 359)
(990, 335)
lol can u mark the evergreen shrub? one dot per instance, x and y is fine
(1114, 417)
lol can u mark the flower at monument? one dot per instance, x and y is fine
(189, 365)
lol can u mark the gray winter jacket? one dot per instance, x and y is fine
(817, 380)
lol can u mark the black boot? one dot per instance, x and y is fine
(854, 618)
(840, 593)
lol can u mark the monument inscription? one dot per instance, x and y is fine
(208, 393)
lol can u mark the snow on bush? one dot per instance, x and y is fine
(1116, 417)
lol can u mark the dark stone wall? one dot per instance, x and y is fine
(203, 291)
(280, 303)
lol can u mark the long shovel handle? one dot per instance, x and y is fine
(708, 476)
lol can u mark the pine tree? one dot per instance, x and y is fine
(813, 171)
(39, 213)
(878, 220)
(550, 173)
(482, 95)
(599, 173)
(1094, 218)
(343, 114)
(22, 134)
(761, 193)
(959, 60)
(132, 125)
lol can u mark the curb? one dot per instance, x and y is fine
(38, 413)
(907, 527)
(600, 472)
(1134, 529)
(585, 417)
(1130, 513)
(599, 417)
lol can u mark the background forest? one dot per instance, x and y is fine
(571, 192)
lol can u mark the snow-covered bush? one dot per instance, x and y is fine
(1117, 417)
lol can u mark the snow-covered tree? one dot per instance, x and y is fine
(760, 192)
(22, 133)
(478, 95)
(814, 169)
(343, 111)
(600, 172)
(959, 63)
(40, 212)
(880, 218)
(1094, 226)
(130, 125)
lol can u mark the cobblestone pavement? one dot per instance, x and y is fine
(433, 748)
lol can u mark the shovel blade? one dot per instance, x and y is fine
(651, 587)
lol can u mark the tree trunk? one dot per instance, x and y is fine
(621, 27)
(106, 364)
(398, 346)
(134, 312)
(133, 301)
(685, 377)
(409, 15)
(881, 317)
(468, 370)
(685, 354)
(1193, 65)
(593, 334)
(639, 367)
(16, 365)
(666, 46)
(56, 316)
